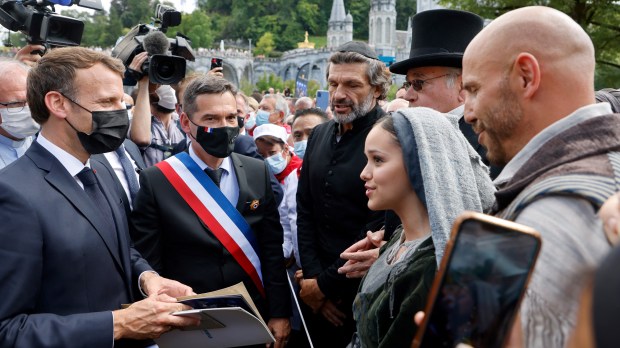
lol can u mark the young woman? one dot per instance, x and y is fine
(421, 167)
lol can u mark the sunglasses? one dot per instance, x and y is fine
(418, 84)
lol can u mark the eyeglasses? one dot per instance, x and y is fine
(418, 84)
(14, 106)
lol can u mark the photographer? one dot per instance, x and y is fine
(153, 127)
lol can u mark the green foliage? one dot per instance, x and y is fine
(246, 87)
(319, 41)
(271, 80)
(598, 18)
(313, 86)
(391, 94)
(265, 44)
(196, 26)
(404, 10)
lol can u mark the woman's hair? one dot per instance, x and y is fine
(387, 123)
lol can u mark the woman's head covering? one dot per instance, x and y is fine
(445, 172)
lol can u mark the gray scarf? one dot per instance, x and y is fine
(445, 171)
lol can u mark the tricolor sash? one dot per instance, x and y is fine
(215, 211)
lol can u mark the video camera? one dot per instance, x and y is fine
(36, 19)
(161, 67)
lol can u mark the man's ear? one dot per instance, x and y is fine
(57, 104)
(184, 119)
(526, 74)
(459, 85)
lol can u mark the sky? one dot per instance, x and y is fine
(181, 5)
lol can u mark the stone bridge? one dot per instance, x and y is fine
(310, 64)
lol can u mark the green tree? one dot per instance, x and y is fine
(197, 27)
(598, 18)
(271, 80)
(265, 44)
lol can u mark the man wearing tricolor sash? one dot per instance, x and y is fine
(208, 217)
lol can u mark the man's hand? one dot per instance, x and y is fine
(332, 313)
(280, 329)
(216, 72)
(311, 294)
(136, 63)
(150, 318)
(361, 255)
(26, 56)
(154, 284)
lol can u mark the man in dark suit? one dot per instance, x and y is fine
(66, 262)
(181, 242)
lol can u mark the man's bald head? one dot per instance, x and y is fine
(561, 47)
(526, 70)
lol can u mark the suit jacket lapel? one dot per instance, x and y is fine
(59, 178)
(242, 181)
(135, 154)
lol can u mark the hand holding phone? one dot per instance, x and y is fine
(480, 283)
(216, 63)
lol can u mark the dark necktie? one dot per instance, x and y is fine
(92, 189)
(215, 175)
(130, 173)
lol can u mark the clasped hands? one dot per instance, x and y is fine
(312, 296)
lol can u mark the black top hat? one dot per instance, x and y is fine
(439, 38)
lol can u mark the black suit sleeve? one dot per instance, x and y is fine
(144, 225)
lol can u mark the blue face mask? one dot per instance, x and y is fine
(250, 122)
(277, 163)
(262, 117)
(300, 148)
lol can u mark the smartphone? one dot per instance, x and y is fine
(480, 283)
(216, 63)
(322, 99)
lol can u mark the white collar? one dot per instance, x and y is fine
(71, 163)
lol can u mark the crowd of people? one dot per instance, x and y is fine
(335, 220)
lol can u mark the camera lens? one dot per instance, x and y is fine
(166, 69)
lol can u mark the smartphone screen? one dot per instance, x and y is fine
(476, 297)
(216, 63)
(322, 99)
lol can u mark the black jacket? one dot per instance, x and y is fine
(179, 246)
(332, 210)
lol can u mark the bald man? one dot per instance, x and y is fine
(528, 78)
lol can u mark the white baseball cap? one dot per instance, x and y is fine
(270, 129)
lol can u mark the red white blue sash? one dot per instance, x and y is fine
(215, 211)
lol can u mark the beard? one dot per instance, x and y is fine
(499, 125)
(357, 110)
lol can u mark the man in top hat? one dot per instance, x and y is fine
(332, 209)
(438, 40)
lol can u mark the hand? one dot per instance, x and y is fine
(280, 328)
(150, 318)
(311, 294)
(361, 255)
(216, 72)
(610, 215)
(299, 276)
(25, 55)
(154, 284)
(332, 313)
(136, 63)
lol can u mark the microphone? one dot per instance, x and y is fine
(156, 42)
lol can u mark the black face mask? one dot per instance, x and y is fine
(241, 121)
(108, 132)
(217, 142)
